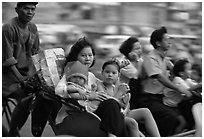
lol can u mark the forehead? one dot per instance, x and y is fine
(136, 45)
(86, 50)
(166, 36)
(29, 5)
(111, 67)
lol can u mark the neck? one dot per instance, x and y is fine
(22, 23)
(107, 85)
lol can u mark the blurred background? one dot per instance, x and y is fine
(107, 24)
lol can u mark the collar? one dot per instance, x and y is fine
(160, 53)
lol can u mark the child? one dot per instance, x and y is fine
(190, 108)
(111, 86)
(76, 78)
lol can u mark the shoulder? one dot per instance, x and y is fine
(92, 76)
(32, 27)
(9, 25)
(178, 80)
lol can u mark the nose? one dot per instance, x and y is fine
(87, 57)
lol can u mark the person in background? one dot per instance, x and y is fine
(197, 72)
(130, 71)
(20, 40)
(191, 108)
(154, 79)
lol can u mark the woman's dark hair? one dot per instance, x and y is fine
(78, 46)
(127, 45)
(179, 66)
(111, 62)
(157, 35)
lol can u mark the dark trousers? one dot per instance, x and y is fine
(112, 120)
(40, 111)
(165, 117)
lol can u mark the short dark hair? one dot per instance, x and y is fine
(77, 47)
(111, 62)
(179, 66)
(157, 35)
(127, 45)
(19, 4)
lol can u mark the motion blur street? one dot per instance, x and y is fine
(108, 24)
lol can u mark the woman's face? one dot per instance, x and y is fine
(86, 56)
(136, 52)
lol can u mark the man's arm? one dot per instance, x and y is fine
(7, 52)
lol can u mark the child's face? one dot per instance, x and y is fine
(78, 80)
(110, 74)
(187, 71)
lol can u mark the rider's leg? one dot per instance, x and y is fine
(19, 116)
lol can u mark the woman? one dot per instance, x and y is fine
(112, 120)
(132, 51)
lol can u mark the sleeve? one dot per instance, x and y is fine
(36, 44)
(151, 66)
(7, 47)
(180, 82)
(129, 71)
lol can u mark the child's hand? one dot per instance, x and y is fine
(123, 88)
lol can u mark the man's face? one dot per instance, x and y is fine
(165, 42)
(26, 12)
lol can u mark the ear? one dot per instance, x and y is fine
(181, 74)
(158, 43)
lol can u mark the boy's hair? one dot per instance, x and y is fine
(179, 66)
(157, 35)
(111, 62)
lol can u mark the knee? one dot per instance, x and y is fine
(131, 123)
(146, 111)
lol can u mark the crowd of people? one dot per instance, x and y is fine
(137, 90)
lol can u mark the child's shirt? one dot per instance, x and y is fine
(172, 98)
(110, 93)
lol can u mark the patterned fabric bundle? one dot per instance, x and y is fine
(49, 65)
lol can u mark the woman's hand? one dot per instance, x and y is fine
(100, 96)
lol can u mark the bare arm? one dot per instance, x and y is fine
(166, 82)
